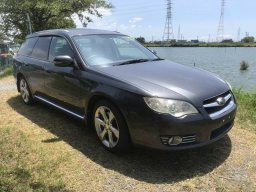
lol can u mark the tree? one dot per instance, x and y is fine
(249, 39)
(46, 14)
(141, 39)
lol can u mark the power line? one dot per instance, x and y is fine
(138, 7)
(168, 30)
(127, 3)
(136, 10)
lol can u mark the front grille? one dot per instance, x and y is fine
(214, 109)
(188, 139)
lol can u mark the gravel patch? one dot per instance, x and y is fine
(8, 84)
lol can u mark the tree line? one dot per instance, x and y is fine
(45, 14)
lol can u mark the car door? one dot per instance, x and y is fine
(37, 61)
(62, 83)
(30, 67)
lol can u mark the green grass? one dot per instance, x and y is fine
(246, 114)
(20, 166)
(6, 72)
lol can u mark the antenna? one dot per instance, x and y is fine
(168, 30)
(220, 34)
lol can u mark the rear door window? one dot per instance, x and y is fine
(41, 48)
(27, 47)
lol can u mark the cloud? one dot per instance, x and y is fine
(123, 27)
(135, 20)
(97, 20)
(109, 22)
(104, 11)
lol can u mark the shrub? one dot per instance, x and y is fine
(244, 65)
(6, 72)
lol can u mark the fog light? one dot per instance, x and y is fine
(176, 140)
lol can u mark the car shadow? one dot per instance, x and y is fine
(141, 164)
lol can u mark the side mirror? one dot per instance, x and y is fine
(63, 61)
(154, 52)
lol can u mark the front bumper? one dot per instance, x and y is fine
(153, 130)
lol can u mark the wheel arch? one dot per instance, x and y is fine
(19, 75)
(98, 97)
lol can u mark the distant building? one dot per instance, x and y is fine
(195, 41)
(227, 41)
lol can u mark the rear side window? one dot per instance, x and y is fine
(27, 47)
(41, 48)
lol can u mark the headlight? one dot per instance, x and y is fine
(230, 87)
(175, 108)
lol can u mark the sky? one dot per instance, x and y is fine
(196, 18)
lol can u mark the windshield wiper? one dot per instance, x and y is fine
(132, 62)
(157, 59)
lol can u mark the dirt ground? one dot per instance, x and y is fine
(57, 150)
(7, 84)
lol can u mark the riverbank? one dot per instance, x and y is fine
(188, 44)
(246, 113)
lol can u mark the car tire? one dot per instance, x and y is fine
(25, 92)
(111, 127)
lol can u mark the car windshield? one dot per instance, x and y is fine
(105, 50)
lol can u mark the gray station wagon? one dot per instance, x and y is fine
(126, 93)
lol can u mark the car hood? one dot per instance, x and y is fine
(167, 79)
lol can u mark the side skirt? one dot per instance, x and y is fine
(59, 107)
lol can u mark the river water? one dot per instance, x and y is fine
(222, 61)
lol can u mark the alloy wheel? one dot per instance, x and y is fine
(106, 126)
(24, 91)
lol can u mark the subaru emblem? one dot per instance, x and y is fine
(221, 101)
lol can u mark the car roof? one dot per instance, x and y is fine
(72, 32)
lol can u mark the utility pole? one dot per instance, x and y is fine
(179, 34)
(238, 34)
(168, 30)
(29, 24)
(220, 34)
